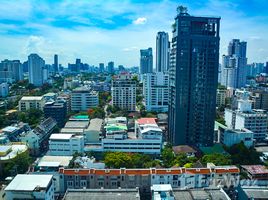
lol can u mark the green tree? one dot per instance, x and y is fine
(117, 160)
(168, 156)
(217, 159)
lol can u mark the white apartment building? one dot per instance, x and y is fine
(155, 91)
(124, 92)
(31, 186)
(220, 97)
(30, 102)
(84, 98)
(65, 144)
(146, 139)
(254, 120)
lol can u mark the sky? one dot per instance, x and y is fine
(115, 30)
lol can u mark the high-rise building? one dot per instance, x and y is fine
(234, 65)
(146, 61)
(11, 70)
(194, 62)
(124, 92)
(101, 67)
(36, 65)
(162, 52)
(110, 67)
(266, 68)
(155, 91)
(56, 63)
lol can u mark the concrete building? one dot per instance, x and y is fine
(162, 52)
(10, 71)
(147, 138)
(255, 172)
(110, 67)
(156, 91)
(56, 63)
(260, 99)
(247, 118)
(36, 65)
(65, 144)
(234, 65)
(101, 67)
(56, 110)
(31, 102)
(4, 90)
(31, 186)
(180, 178)
(37, 139)
(124, 92)
(220, 98)
(230, 137)
(252, 192)
(194, 62)
(94, 131)
(146, 61)
(84, 98)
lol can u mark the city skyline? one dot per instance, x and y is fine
(71, 30)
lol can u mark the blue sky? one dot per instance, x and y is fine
(101, 31)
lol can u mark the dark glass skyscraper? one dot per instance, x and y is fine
(146, 61)
(194, 62)
(56, 63)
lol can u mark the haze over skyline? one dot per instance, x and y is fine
(103, 31)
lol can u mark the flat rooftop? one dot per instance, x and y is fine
(52, 161)
(102, 194)
(32, 98)
(200, 194)
(72, 131)
(28, 182)
(95, 124)
(146, 121)
(255, 169)
(76, 124)
(256, 192)
(60, 136)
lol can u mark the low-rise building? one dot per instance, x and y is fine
(94, 131)
(37, 139)
(14, 131)
(31, 102)
(65, 144)
(256, 172)
(30, 186)
(84, 98)
(230, 137)
(252, 193)
(131, 178)
(9, 152)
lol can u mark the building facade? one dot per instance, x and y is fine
(84, 98)
(146, 61)
(194, 61)
(234, 65)
(65, 144)
(36, 65)
(56, 110)
(10, 71)
(162, 52)
(245, 117)
(31, 102)
(124, 92)
(156, 91)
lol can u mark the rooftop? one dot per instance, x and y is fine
(201, 194)
(80, 117)
(146, 121)
(29, 182)
(183, 149)
(10, 129)
(102, 194)
(76, 124)
(95, 124)
(47, 161)
(256, 192)
(60, 136)
(17, 148)
(255, 169)
(32, 98)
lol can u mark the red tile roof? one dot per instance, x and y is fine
(146, 121)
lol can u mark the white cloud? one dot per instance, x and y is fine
(140, 20)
